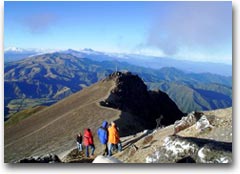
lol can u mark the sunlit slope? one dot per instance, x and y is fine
(54, 129)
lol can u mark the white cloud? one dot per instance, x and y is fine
(39, 23)
(201, 27)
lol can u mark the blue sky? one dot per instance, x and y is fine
(200, 31)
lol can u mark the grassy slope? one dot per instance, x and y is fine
(198, 97)
(17, 105)
(54, 128)
(16, 118)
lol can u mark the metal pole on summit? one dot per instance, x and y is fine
(158, 120)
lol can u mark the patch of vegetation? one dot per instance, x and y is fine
(17, 105)
(15, 118)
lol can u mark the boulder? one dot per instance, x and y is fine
(184, 123)
(106, 159)
(49, 158)
(178, 149)
(188, 121)
(203, 124)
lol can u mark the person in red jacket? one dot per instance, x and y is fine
(88, 141)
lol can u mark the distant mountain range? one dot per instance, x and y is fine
(14, 54)
(47, 78)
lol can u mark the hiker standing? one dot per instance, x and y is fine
(79, 142)
(88, 142)
(103, 137)
(113, 138)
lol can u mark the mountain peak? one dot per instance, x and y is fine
(131, 95)
(88, 49)
(13, 49)
(71, 50)
(119, 74)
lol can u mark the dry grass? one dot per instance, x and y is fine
(54, 129)
(16, 118)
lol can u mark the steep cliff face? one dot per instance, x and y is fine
(131, 95)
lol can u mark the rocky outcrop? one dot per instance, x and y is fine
(202, 122)
(50, 158)
(131, 95)
(178, 149)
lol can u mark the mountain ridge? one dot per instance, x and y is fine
(53, 129)
(51, 77)
(146, 61)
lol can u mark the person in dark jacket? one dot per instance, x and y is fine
(79, 142)
(103, 137)
(88, 141)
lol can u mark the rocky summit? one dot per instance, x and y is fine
(131, 95)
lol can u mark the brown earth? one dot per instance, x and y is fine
(53, 129)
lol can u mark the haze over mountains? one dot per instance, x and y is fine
(14, 54)
(47, 78)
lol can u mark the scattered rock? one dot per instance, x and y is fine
(146, 131)
(202, 122)
(50, 158)
(154, 158)
(75, 156)
(133, 150)
(106, 159)
(185, 149)
(210, 154)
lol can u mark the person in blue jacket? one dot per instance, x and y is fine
(103, 137)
